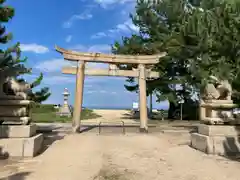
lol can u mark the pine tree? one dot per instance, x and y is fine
(10, 58)
(38, 96)
(157, 23)
(210, 42)
(216, 27)
(11, 64)
(201, 39)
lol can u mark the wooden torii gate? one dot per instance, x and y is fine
(142, 73)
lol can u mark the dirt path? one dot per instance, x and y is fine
(129, 157)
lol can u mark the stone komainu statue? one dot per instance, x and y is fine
(14, 104)
(16, 88)
(218, 90)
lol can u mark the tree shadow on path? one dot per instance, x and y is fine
(16, 176)
(49, 138)
(232, 146)
(3, 155)
(4, 131)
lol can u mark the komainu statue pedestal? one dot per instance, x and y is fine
(20, 140)
(217, 139)
(220, 131)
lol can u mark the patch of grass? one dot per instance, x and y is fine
(110, 174)
(43, 108)
(47, 114)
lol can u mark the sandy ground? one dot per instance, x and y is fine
(134, 156)
(111, 114)
(115, 116)
(130, 157)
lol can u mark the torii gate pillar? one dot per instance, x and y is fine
(143, 98)
(78, 97)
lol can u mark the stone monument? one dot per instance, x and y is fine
(218, 123)
(17, 134)
(64, 109)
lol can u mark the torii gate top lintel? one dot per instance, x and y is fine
(109, 58)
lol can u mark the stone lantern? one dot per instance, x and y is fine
(64, 109)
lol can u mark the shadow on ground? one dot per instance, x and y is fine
(88, 128)
(3, 155)
(191, 128)
(49, 138)
(4, 133)
(232, 146)
(47, 128)
(136, 116)
(17, 176)
(130, 116)
(116, 129)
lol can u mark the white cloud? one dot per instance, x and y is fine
(98, 35)
(103, 91)
(79, 47)
(39, 49)
(130, 25)
(60, 79)
(89, 92)
(53, 65)
(124, 8)
(100, 48)
(68, 38)
(100, 92)
(83, 16)
(125, 27)
(94, 91)
(108, 3)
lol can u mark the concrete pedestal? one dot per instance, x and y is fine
(20, 141)
(218, 140)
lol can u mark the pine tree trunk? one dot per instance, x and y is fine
(151, 106)
(171, 110)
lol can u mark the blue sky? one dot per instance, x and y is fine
(83, 25)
